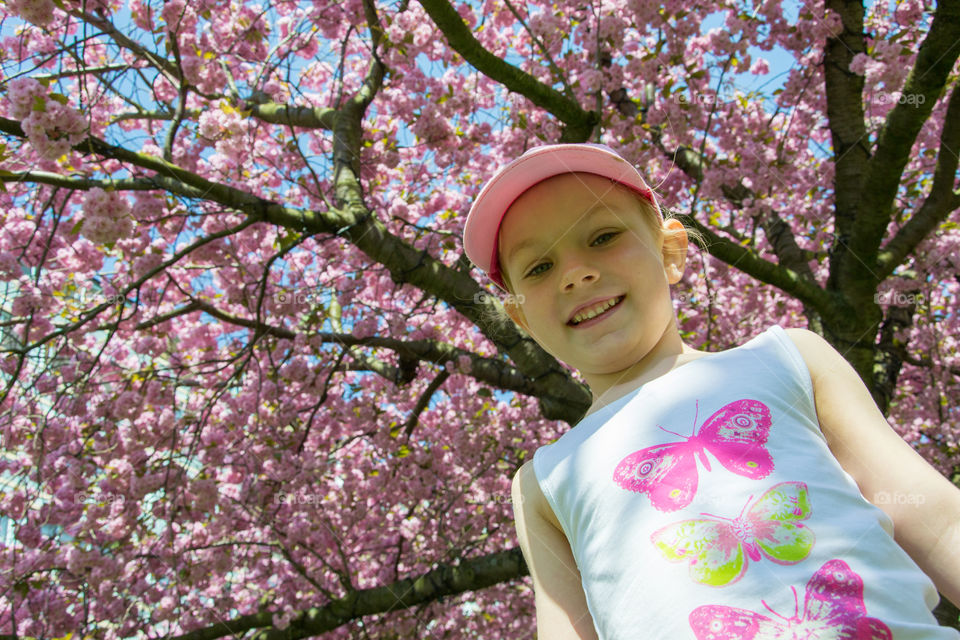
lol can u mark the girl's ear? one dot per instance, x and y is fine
(674, 250)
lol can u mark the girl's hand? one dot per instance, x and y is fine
(926, 511)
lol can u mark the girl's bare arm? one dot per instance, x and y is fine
(562, 612)
(924, 506)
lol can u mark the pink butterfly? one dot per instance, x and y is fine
(667, 473)
(718, 549)
(833, 609)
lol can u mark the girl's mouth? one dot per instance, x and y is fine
(594, 313)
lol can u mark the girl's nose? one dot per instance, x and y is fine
(578, 274)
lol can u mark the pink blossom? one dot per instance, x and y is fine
(53, 128)
(29, 300)
(142, 14)
(10, 268)
(106, 216)
(39, 12)
(760, 67)
(590, 80)
(859, 64)
(127, 404)
(24, 95)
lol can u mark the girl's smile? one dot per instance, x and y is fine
(589, 314)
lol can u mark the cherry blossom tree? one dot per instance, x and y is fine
(250, 384)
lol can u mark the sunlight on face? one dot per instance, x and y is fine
(586, 260)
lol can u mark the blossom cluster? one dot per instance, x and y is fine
(38, 12)
(106, 216)
(51, 125)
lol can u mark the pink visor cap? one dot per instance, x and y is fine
(482, 230)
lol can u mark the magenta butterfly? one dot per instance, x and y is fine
(719, 549)
(735, 435)
(832, 610)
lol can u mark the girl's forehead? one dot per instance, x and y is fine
(556, 206)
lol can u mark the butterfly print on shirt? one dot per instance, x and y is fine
(719, 549)
(735, 435)
(833, 609)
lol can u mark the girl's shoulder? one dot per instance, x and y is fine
(526, 489)
(815, 351)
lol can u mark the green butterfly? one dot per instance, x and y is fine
(718, 548)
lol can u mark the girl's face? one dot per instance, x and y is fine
(590, 272)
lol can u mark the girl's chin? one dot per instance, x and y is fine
(604, 360)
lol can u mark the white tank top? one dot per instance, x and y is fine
(706, 505)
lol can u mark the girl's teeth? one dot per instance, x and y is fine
(594, 312)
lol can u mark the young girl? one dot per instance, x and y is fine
(704, 495)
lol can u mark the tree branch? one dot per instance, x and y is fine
(579, 123)
(936, 57)
(423, 402)
(181, 181)
(348, 128)
(784, 278)
(491, 371)
(558, 392)
(848, 133)
(793, 275)
(554, 67)
(161, 64)
(79, 184)
(470, 575)
(90, 315)
(941, 200)
(560, 396)
(293, 116)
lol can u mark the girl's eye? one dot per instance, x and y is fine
(537, 270)
(604, 238)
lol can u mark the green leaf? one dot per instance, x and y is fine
(3, 172)
(288, 240)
